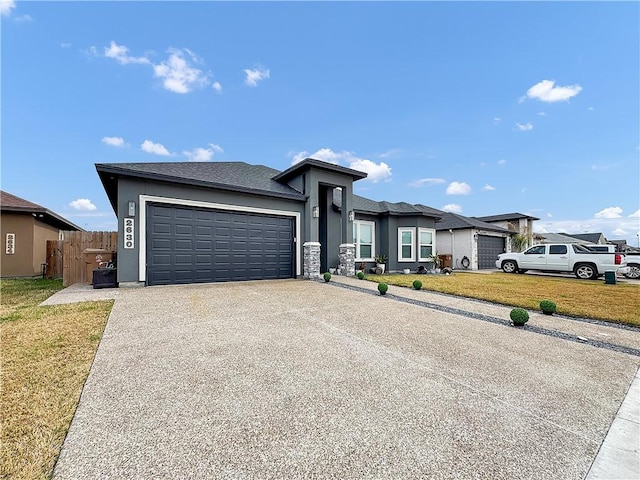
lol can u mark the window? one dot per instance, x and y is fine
(426, 246)
(364, 234)
(406, 244)
(557, 249)
(537, 250)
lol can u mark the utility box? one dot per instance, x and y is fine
(610, 278)
(446, 261)
(95, 258)
(105, 278)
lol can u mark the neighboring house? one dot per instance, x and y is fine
(516, 222)
(480, 242)
(191, 222)
(561, 238)
(591, 238)
(26, 227)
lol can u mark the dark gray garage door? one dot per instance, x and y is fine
(488, 250)
(189, 245)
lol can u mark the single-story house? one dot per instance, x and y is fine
(26, 227)
(472, 243)
(562, 238)
(591, 238)
(190, 222)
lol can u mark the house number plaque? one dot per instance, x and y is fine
(128, 233)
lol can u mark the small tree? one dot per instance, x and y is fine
(519, 241)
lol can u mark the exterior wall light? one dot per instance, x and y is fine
(315, 212)
(352, 215)
(132, 209)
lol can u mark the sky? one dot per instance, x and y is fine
(477, 108)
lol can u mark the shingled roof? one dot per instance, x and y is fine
(505, 217)
(13, 203)
(368, 206)
(234, 176)
(453, 221)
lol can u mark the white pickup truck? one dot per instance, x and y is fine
(563, 257)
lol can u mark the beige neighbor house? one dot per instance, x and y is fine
(26, 227)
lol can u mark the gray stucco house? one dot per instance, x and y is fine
(190, 222)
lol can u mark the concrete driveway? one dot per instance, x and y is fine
(301, 379)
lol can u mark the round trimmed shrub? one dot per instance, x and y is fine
(327, 277)
(519, 316)
(548, 307)
(360, 275)
(417, 284)
(382, 288)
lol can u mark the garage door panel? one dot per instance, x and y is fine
(489, 248)
(190, 245)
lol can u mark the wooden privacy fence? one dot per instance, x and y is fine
(74, 261)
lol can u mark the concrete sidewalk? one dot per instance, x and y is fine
(299, 379)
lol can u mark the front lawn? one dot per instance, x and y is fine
(579, 298)
(46, 356)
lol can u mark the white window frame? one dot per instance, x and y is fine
(402, 230)
(432, 245)
(357, 224)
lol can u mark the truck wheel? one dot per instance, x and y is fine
(634, 271)
(586, 271)
(509, 266)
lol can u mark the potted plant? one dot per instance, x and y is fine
(381, 261)
(435, 259)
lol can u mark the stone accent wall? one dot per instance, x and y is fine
(347, 259)
(311, 261)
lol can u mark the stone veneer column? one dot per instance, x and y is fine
(311, 261)
(347, 259)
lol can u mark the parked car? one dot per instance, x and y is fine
(563, 257)
(633, 264)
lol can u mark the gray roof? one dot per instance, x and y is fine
(234, 176)
(368, 206)
(561, 238)
(453, 221)
(587, 237)
(506, 217)
(298, 168)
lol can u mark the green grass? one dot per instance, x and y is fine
(46, 356)
(580, 298)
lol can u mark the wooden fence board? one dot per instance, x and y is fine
(54, 259)
(74, 246)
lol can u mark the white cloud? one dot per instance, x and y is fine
(611, 212)
(23, 19)
(502, 162)
(6, 6)
(429, 182)
(216, 86)
(591, 109)
(155, 148)
(453, 208)
(458, 188)
(542, 114)
(83, 204)
(114, 141)
(203, 154)
(375, 171)
(524, 127)
(612, 228)
(496, 120)
(120, 55)
(252, 77)
(177, 74)
(547, 91)
(65, 45)
(635, 214)
(488, 188)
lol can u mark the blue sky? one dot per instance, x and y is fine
(478, 108)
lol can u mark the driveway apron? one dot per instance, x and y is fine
(301, 379)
